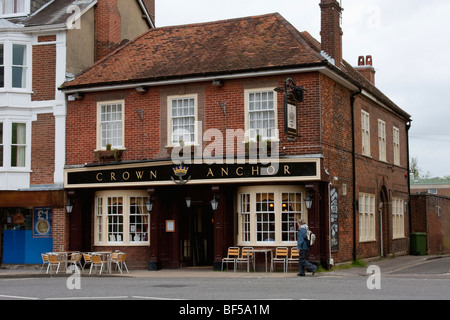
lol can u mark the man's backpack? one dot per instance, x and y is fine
(310, 237)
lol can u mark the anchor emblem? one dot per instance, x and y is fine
(180, 171)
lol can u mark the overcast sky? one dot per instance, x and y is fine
(407, 39)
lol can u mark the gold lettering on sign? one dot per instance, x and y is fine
(126, 175)
(255, 170)
(153, 174)
(238, 169)
(225, 171)
(113, 176)
(270, 170)
(99, 177)
(286, 169)
(139, 174)
(210, 173)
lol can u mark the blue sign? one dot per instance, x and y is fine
(42, 222)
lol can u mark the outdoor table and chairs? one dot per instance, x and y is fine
(102, 259)
(280, 255)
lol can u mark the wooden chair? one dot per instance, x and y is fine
(97, 261)
(44, 259)
(232, 255)
(243, 257)
(56, 259)
(87, 259)
(75, 260)
(293, 258)
(119, 259)
(281, 255)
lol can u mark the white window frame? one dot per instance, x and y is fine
(365, 133)
(396, 145)
(170, 120)
(125, 234)
(25, 11)
(8, 66)
(250, 133)
(101, 124)
(398, 218)
(366, 217)
(2, 150)
(382, 140)
(2, 65)
(248, 215)
(7, 145)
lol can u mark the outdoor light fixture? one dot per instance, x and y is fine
(214, 203)
(149, 205)
(69, 207)
(188, 202)
(308, 202)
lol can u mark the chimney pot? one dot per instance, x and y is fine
(369, 60)
(361, 61)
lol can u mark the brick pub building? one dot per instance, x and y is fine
(42, 44)
(171, 120)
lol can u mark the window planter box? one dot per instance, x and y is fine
(108, 155)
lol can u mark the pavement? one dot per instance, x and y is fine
(386, 265)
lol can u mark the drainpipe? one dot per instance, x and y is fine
(408, 126)
(352, 107)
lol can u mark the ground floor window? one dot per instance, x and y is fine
(366, 217)
(121, 218)
(268, 214)
(398, 218)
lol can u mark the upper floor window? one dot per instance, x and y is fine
(14, 148)
(1, 144)
(110, 126)
(19, 66)
(12, 8)
(14, 65)
(2, 66)
(396, 138)
(18, 144)
(182, 118)
(382, 140)
(261, 116)
(365, 134)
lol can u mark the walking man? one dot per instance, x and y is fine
(303, 247)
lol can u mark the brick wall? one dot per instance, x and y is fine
(107, 27)
(44, 69)
(43, 150)
(431, 214)
(325, 127)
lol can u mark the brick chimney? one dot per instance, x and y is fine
(331, 32)
(365, 67)
(108, 28)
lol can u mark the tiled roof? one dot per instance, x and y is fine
(55, 13)
(258, 43)
(221, 47)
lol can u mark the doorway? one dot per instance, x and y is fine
(197, 236)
